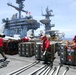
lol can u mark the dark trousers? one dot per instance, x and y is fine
(2, 53)
(47, 57)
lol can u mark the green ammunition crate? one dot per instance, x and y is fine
(38, 51)
(27, 49)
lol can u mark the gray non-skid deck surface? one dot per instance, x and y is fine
(17, 62)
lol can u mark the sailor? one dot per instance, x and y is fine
(46, 48)
(74, 39)
(25, 39)
(74, 42)
(1, 47)
(32, 36)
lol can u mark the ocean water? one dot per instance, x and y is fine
(67, 39)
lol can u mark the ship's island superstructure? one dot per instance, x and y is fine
(19, 25)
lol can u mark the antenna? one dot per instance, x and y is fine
(19, 1)
(20, 8)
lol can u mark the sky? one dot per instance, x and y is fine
(64, 12)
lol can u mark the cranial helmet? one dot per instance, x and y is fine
(43, 37)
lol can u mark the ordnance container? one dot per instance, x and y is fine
(67, 55)
(52, 51)
(11, 47)
(75, 56)
(63, 54)
(30, 48)
(27, 49)
(70, 56)
(38, 51)
(20, 49)
(23, 51)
